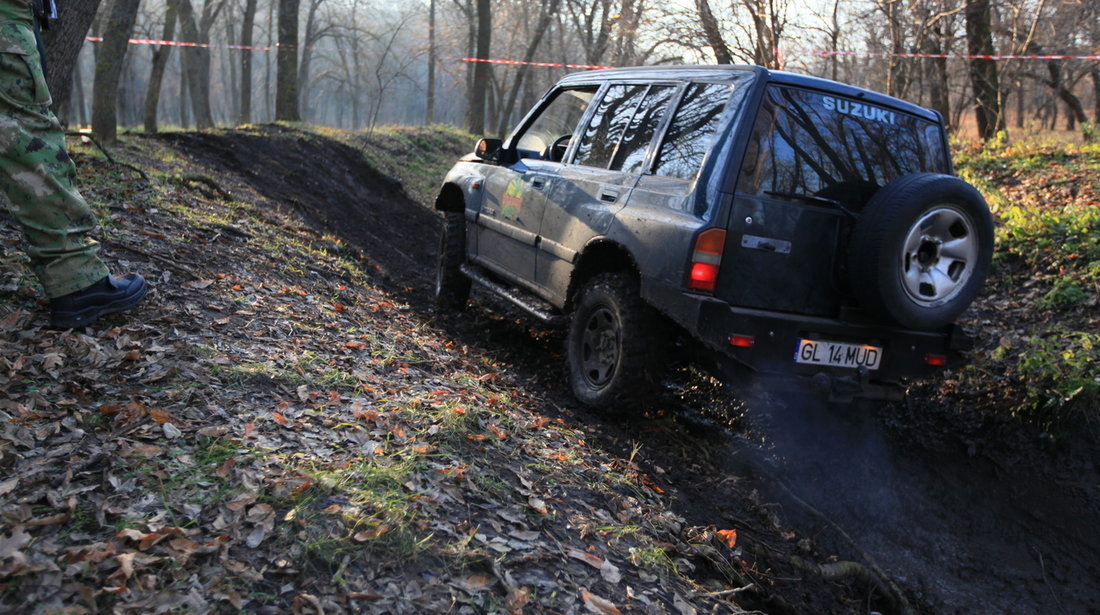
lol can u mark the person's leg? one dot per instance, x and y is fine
(38, 176)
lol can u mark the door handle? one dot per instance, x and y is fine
(538, 182)
(608, 195)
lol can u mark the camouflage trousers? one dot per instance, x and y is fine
(37, 174)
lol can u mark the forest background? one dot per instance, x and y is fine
(991, 67)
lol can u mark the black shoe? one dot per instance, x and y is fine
(106, 296)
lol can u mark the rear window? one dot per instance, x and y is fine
(810, 143)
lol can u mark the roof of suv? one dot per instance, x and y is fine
(722, 72)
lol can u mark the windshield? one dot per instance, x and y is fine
(815, 144)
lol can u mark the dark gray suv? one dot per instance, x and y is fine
(788, 225)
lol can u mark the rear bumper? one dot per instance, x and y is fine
(776, 336)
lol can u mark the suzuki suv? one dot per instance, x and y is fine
(789, 225)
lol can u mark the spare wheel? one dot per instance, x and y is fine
(921, 250)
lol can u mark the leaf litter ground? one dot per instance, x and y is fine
(285, 427)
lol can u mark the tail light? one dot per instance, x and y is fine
(935, 360)
(705, 260)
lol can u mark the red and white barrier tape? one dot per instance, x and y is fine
(878, 54)
(884, 54)
(544, 64)
(149, 41)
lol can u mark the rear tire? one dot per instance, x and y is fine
(921, 250)
(612, 351)
(452, 287)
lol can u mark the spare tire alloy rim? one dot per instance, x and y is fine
(600, 347)
(938, 256)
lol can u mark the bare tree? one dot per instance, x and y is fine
(983, 71)
(479, 91)
(63, 42)
(108, 69)
(156, 74)
(247, 23)
(547, 9)
(286, 86)
(713, 33)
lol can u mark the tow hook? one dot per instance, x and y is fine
(842, 388)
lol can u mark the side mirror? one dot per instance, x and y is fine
(487, 149)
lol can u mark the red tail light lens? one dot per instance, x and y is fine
(704, 277)
(706, 259)
(935, 360)
(742, 341)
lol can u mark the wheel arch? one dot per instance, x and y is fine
(601, 255)
(450, 198)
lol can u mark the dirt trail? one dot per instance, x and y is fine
(964, 518)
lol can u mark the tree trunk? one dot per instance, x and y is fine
(108, 69)
(476, 113)
(156, 74)
(1076, 109)
(429, 107)
(548, 9)
(938, 91)
(76, 101)
(286, 79)
(246, 61)
(983, 72)
(713, 33)
(63, 42)
(307, 57)
(196, 65)
(1095, 74)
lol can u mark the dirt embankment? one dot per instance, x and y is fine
(923, 507)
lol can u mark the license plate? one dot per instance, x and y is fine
(838, 354)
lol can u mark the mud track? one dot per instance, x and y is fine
(965, 516)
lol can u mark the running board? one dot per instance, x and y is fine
(514, 296)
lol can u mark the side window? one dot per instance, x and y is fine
(555, 124)
(692, 129)
(601, 137)
(639, 133)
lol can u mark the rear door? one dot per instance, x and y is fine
(602, 168)
(812, 162)
(516, 194)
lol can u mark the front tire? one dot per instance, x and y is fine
(452, 287)
(611, 346)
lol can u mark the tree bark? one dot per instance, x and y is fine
(195, 63)
(286, 79)
(63, 42)
(713, 33)
(479, 92)
(1095, 74)
(156, 74)
(429, 106)
(1058, 84)
(313, 34)
(983, 72)
(108, 69)
(246, 61)
(548, 9)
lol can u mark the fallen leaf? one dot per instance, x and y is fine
(598, 605)
(476, 582)
(19, 538)
(591, 559)
(537, 505)
(610, 572)
(729, 537)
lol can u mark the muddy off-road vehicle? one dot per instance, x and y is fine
(789, 225)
